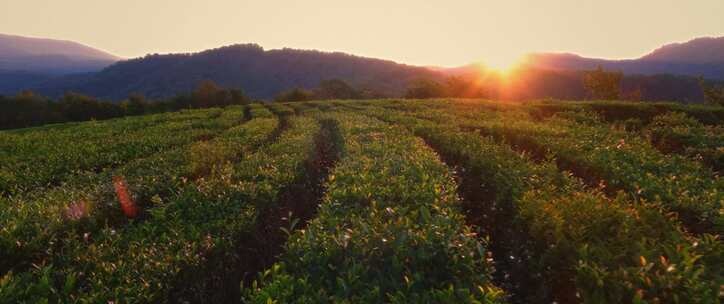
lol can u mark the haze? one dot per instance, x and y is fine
(443, 33)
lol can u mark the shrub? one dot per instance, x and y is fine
(206, 156)
(296, 94)
(425, 88)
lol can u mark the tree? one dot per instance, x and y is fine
(206, 94)
(26, 109)
(136, 104)
(600, 84)
(713, 94)
(209, 94)
(78, 107)
(425, 88)
(457, 86)
(238, 97)
(336, 89)
(296, 94)
(635, 95)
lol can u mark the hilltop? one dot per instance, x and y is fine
(698, 57)
(50, 56)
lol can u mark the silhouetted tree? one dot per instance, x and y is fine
(425, 88)
(207, 94)
(600, 84)
(238, 97)
(714, 94)
(136, 104)
(296, 94)
(26, 109)
(78, 107)
(635, 95)
(336, 89)
(464, 87)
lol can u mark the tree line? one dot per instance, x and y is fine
(328, 89)
(27, 109)
(597, 84)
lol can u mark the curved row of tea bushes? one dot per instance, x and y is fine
(99, 130)
(40, 159)
(642, 112)
(280, 109)
(259, 110)
(30, 222)
(32, 227)
(682, 134)
(389, 230)
(615, 159)
(35, 215)
(308, 108)
(144, 261)
(321, 105)
(607, 250)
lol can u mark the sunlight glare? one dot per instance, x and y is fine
(503, 64)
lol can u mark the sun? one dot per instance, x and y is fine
(503, 63)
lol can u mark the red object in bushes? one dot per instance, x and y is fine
(127, 205)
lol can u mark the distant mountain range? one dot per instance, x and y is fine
(27, 62)
(260, 73)
(53, 67)
(707, 50)
(49, 56)
(698, 57)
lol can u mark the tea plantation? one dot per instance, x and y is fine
(374, 201)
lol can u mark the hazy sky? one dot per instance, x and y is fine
(446, 33)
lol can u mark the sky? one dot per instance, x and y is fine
(421, 32)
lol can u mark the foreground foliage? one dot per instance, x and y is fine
(389, 230)
(437, 201)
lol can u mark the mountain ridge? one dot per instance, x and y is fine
(50, 56)
(696, 57)
(260, 73)
(701, 50)
(264, 73)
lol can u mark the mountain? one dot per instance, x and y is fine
(706, 50)
(49, 57)
(12, 81)
(666, 74)
(260, 73)
(698, 57)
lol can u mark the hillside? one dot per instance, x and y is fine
(707, 50)
(50, 56)
(260, 73)
(698, 57)
(666, 74)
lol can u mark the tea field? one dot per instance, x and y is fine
(372, 201)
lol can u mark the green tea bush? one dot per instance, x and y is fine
(144, 261)
(681, 134)
(608, 157)
(582, 243)
(389, 230)
(34, 221)
(206, 157)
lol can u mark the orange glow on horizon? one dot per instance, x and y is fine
(508, 83)
(503, 65)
